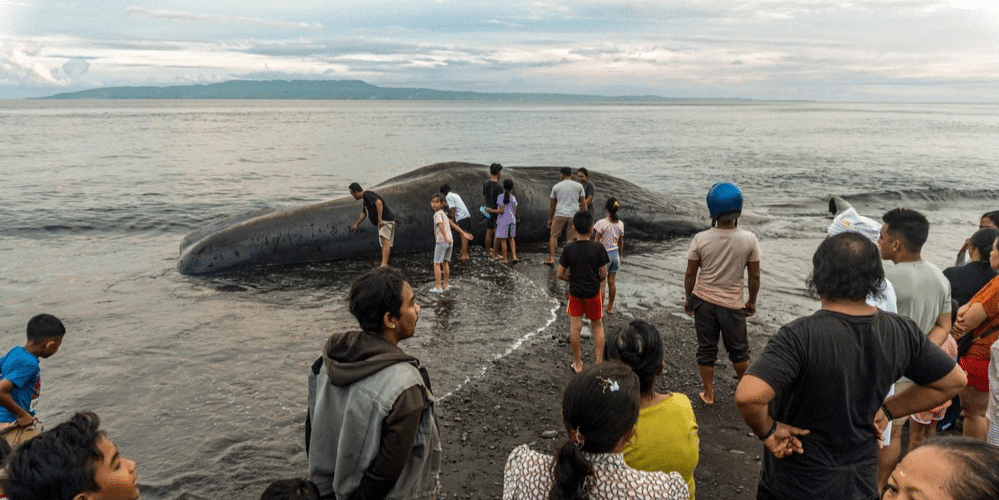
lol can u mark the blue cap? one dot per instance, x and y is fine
(724, 197)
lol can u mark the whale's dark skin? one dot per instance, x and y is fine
(321, 231)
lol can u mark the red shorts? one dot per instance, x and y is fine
(978, 373)
(593, 307)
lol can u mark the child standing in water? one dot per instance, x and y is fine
(442, 250)
(506, 223)
(610, 232)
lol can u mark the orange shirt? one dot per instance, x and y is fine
(988, 297)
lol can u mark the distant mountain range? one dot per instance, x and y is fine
(341, 89)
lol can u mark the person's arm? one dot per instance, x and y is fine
(917, 398)
(753, 285)
(689, 280)
(752, 396)
(562, 273)
(582, 203)
(969, 317)
(603, 273)
(462, 232)
(7, 401)
(399, 430)
(360, 219)
(551, 212)
(938, 334)
(453, 214)
(378, 207)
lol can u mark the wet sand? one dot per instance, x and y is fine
(518, 399)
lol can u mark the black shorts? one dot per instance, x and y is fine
(712, 321)
(491, 220)
(465, 224)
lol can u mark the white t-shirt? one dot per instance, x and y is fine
(567, 193)
(454, 201)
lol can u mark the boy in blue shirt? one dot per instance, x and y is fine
(20, 372)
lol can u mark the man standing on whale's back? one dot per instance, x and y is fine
(380, 215)
(490, 191)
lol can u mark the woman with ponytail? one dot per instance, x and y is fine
(610, 232)
(599, 408)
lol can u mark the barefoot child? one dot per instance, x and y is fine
(506, 223)
(717, 263)
(442, 251)
(583, 264)
(610, 232)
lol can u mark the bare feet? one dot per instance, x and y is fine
(609, 310)
(708, 399)
(504, 261)
(576, 369)
(549, 262)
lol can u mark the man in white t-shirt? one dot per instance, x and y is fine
(568, 197)
(922, 293)
(459, 214)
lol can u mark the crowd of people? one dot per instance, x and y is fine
(829, 396)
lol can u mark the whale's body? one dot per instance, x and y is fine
(320, 232)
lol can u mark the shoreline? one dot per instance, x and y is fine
(517, 402)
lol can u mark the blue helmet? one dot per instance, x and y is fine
(724, 197)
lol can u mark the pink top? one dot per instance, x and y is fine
(442, 234)
(610, 233)
(723, 256)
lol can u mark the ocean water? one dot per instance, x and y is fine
(202, 379)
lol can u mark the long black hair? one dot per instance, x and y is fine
(507, 189)
(611, 207)
(982, 240)
(599, 407)
(638, 345)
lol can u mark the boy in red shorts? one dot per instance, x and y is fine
(583, 264)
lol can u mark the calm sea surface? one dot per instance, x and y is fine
(202, 380)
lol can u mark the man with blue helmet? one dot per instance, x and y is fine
(713, 284)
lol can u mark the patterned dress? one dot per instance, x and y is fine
(528, 476)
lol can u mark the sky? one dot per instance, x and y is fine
(824, 50)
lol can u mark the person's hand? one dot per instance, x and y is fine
(25, 420)
(468, 236)
(965, 247)
(750, 308)
(353, 228)
(687, 307)
(784, 441)
(549, 223)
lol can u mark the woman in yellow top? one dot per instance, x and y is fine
(666, 439)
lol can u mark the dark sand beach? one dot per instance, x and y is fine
(518, 398)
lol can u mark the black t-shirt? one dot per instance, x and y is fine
(490, 191)
(831, 373)
(967, 280)
(369, 198)
(588, 191)
(583, 260)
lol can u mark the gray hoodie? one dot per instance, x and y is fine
(373, 431)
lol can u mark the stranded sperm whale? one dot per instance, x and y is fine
(320, 232)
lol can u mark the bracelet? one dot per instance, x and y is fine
(773, 429)
(886, 412)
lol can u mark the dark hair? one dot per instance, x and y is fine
(57, 464)
(374, 294)
(976, 463)
(582, 221)
(355, 187)
(909, 226)
(445, 189)
(601, 404)
(566, 171)
(507, 189)
(611, 207)
(982, 240)
(291, 489)
(44, 327)
(992, 216)
(495, 168)
(583, 170)
(638, 345)
(437, 196)
(846, 266)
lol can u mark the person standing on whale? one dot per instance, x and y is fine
(491, 190)
(381, 216)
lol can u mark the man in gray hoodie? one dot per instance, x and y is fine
(372, 430)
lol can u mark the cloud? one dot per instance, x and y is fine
(176, 15)
(76, 66)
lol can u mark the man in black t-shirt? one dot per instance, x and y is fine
(814, 396)
(380, 215)
(491, 190)
(583, 264)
